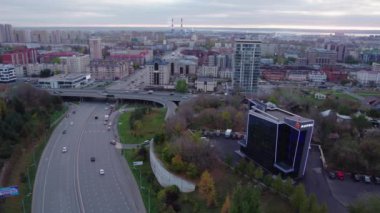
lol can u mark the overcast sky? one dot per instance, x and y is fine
(330, 14)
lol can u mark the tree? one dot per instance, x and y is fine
(207, 188)
(250, 169)
(181, 86)
(226, 205)
(278, 184)
(259, 173)
(288, 186)
(298, 198)
(177, 163)
(169, 197)
(245, 199)
(46, 73)
(56, 60)
(361, 123)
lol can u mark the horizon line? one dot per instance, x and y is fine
(282, 27)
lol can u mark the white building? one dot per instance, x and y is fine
(7, 73)
(158, 72)
(65, 81)
(246, 65)
(95, 48)
(317, 77)
(376, 67)
(366, 77)
(208, 71)
(76, 64)
(205, 84)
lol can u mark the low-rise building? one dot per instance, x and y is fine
(7, 73)
(108, 69)
(297, 75)
(35, 69)
(65, 81)
(317, 77)
(274, 74)
(206, 84)
(368, 78)
(208, 71)
(319, 96)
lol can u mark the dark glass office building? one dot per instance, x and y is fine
(277, 140)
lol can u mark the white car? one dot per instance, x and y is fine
(101, 171)
(64, 149)
(71, 123)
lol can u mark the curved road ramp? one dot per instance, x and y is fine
(164, 177)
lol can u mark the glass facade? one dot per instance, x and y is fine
(261, 141)
(286, 145)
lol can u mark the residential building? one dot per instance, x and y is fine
(277, 140)
(182, 64)
(246, 64)
(76, 64)
(22, 36)
(158, 72)
(370, 56)
(138, 57)
(108, 69)
(208, 71)
(297, 75)
(95, 48)
(227, 74)
(317, 56)
(20, 57)
(340, 50)
(65, 81)
(7, 73)
(40, 36)
(35, 69)
(50, 56)
(376, 67)
(8, 33)
(317, 77)
(335, 74)
(274, 74)
(206, 84)
(368, 78)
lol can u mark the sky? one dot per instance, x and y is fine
(298, 14)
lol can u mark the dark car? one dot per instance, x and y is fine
(64, 132)
(96, 117)
(74, 112)
(92, 159)
(113, 142)
(376, 180)
(357, 177)
(332, 175)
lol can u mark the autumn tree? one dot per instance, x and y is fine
(177, 163)
(226, 205)
(207, 188)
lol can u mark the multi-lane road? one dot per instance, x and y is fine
(70, 182)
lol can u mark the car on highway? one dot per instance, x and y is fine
(150, 92)
(113, 142)
(64, 132)
(92, 159)
(64, 149)
(101, 171)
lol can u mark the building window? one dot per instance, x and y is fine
(155, 66)
(172, 68)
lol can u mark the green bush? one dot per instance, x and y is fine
(192, 171)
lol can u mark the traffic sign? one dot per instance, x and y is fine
(9, 191)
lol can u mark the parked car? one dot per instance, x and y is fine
(101, 171)
(340, 175)
(92, 159)
(113, 142)
(64, 132)
(376, 180)
(332, 175)
(96, 117)
(357, 177)
(367, 179)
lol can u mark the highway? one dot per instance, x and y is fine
(70, 182)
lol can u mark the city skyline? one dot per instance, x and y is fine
(287, 14)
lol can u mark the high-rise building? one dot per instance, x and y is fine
(8, 33)
(158, 72)
(95, 48)
(2, 33)
(22, 36)
(7, 73)
(246, 65)
(277, 140)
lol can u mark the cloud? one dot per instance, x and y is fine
(324, 13)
